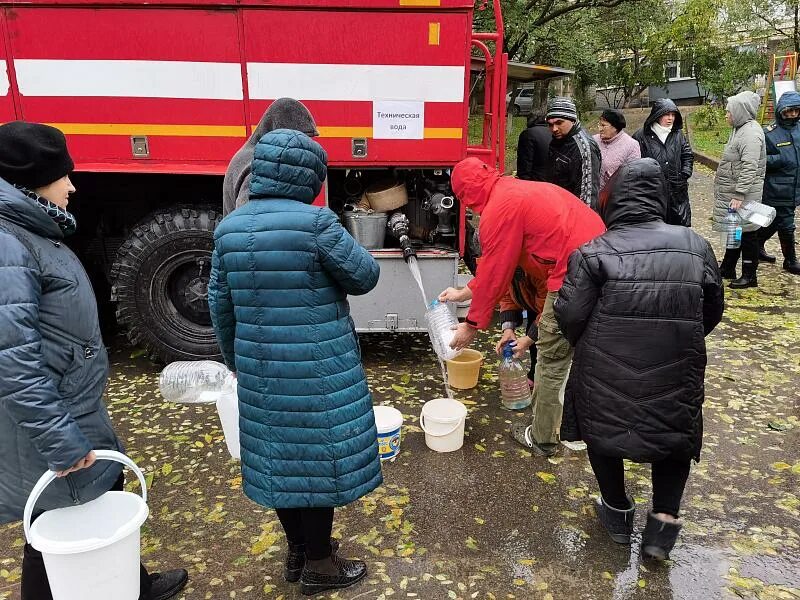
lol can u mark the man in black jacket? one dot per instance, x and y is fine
(533, 150)
(662, 138)
(637, 303)
(574, 156)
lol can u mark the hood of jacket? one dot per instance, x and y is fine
(637, 193)
(288, 165)
(743, 107)
(472, 182)
(285, 113)
(788, 100)
(661, 107)
(17, 208)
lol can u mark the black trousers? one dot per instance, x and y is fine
(669, 480)
(35, 585)
(748, 251)
(309, 527)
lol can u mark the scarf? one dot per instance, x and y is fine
(661, 131)
(62, 217)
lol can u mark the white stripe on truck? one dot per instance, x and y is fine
(223, 81)
(3, 79)
(356, 82)
(129, 79)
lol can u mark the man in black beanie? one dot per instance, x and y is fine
(574, 155)
(53, 364)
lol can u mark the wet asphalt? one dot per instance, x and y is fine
(490, 521)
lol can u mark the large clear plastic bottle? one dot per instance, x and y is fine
(191, 382)
(440, 327)
(514, 390)
(732, 235)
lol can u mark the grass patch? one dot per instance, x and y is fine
(708, 141)
(517, 126)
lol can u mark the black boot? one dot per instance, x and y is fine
(764, 234)
(728, 267)
(618, 523)
(659, 537)
(749, 262)
(332, 573)
(763, 256)
(165, 585)
(296, 560)
(789, 252)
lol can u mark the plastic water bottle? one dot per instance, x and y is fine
(191, 382)
(514, 389)
(440, 327)
(732, 236)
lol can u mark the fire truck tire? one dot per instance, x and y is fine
(160, 283)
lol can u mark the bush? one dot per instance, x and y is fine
(709, 117)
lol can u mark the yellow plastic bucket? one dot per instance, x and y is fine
(464, 369)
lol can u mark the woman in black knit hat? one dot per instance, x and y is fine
(53, 365)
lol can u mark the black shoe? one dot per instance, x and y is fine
(165, 585)
(332, 573)
(618, 523)
(296, 560)
(764, 257)
(745, 281)
(659, 538)
(523, 435)
(793, 268)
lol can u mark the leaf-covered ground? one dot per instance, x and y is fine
(490, 521)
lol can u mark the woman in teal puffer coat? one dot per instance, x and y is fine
(281, 272)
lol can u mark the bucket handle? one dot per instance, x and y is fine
(48, 477)
(422, 426)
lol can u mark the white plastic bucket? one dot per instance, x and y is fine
(443, 422)
(228, 409)
(91, 551)
(389, 422)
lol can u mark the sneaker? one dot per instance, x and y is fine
(574, 446)
(165, 585)
(522, 435)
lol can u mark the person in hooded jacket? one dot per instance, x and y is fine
(533, 150)
(281, 272)
(574, 155)
(532, 225)
(738, 181)
(782, 180)
(636, 304)
(53, 364)
(284, 113)
(662, 138)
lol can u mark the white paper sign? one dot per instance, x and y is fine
(398, 120)
(781, 87)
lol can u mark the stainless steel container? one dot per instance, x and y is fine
(368, 228)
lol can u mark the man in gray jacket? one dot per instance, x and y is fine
(53, 364)
(284, 113)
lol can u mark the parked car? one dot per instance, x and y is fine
(523, 103)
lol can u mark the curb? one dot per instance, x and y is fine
(704, 159)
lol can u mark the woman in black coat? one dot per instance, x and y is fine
(662, 138)
(637, 303)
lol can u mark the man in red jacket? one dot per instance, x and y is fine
(523, 223)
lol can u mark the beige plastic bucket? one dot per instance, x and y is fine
(464, 369)
(386, 196)
(443, 422)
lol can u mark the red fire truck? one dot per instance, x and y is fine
(155, 98)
